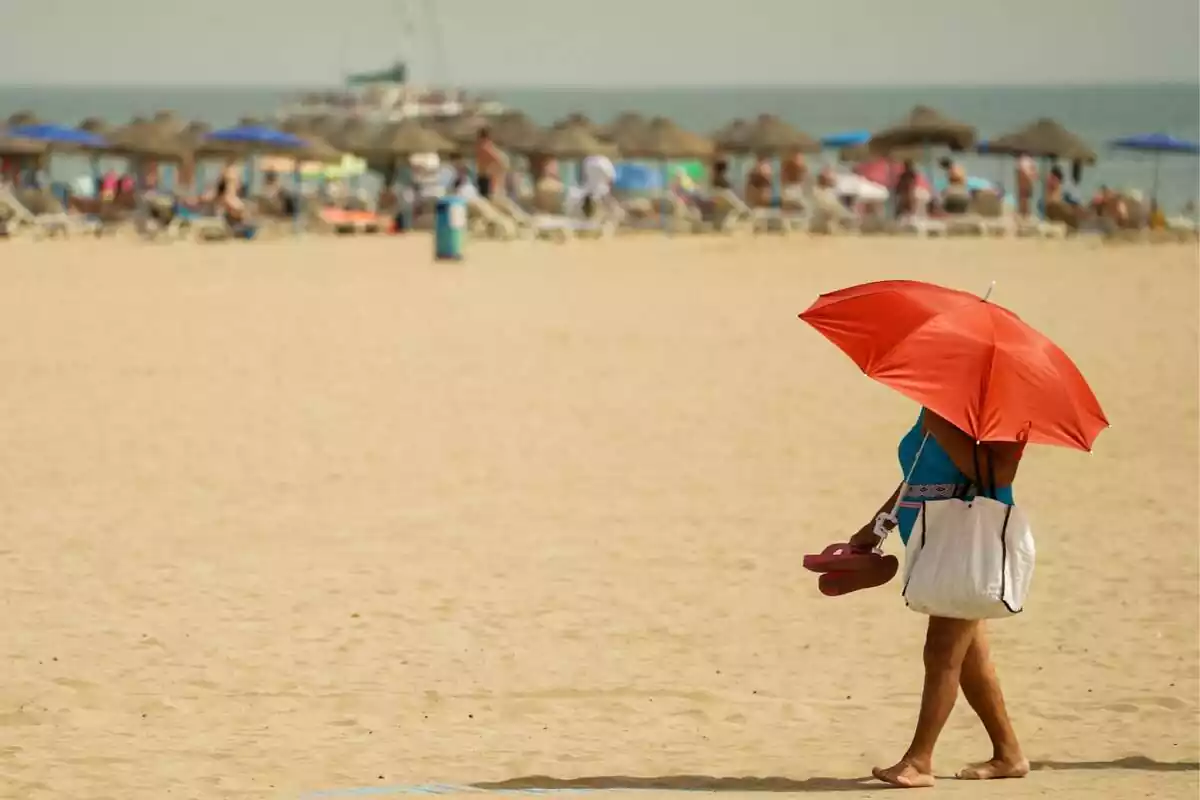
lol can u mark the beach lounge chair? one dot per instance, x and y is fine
(921, 225)
(485, 219)
(562, 227)
(42, 223)
(730, 213)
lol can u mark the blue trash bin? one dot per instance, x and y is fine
(449, 229)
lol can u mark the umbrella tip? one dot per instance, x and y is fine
(988, 293)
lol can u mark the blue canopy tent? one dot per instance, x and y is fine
(1157, 144)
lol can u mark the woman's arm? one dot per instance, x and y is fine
(1006, 456)
(866, 539)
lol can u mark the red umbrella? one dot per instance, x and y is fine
(971, 362)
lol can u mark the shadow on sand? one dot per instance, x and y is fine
(1134, 763)
(680, 783)
(708, 783)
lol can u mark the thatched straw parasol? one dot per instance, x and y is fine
(20, 147)
(461, 131)
(1044, 138)
(141, 138)
(193, 133)
(167, 120)
(408, 138)
(628, 125)
(23, 118)
(732, 137)
(95, 125)
(578, 120)
(573, 141)
(352, 136)
(771, 136)
(923, 127)
(316, 147)
(662, 138)
(514, 130)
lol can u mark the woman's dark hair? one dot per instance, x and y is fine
(1056, 171)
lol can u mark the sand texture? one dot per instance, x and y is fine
(296, 516)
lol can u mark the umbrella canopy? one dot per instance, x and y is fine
(770, 135)
(193, 133)
(257, 136)
(23, 118)
(409, 138)
(1156, 143)
(971, 362)
(95, 125)
(143, 139)
(167, 120)
(836, 141)
(627, 125)
(579, 120)
(731, 137)
(57, 135)
(569, 142)
(352, 136)
(461, 131)
(245, 140)
(662, 138)
(1044, 138)
(924, 127)
(10, 146)
(514, 129)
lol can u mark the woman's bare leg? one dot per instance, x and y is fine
(946, 644)
(981, 687)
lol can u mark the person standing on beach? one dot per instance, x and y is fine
(491, 162)
(1026, 177)
(956, 653)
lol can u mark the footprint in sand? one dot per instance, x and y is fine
(1121, 708)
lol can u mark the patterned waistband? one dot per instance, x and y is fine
(933, 491)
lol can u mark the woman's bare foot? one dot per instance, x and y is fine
(905, 774)
(996, 768)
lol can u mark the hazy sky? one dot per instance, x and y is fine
(599, 42)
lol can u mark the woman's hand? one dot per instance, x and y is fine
(865, 540)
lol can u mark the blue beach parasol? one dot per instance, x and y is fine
(1158, 144)
(257, 135)
(56, 134)
(845, 139)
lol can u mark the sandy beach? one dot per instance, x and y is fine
(325, 516)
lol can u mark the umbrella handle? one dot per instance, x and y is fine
(886, 521)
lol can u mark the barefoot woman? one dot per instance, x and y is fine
(956, 651)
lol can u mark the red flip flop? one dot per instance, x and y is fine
(840, 557)
(838, 582)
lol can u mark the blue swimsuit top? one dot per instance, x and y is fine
(935, 478)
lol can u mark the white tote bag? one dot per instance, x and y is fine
(969, 559)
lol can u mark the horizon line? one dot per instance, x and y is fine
(618, 87)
